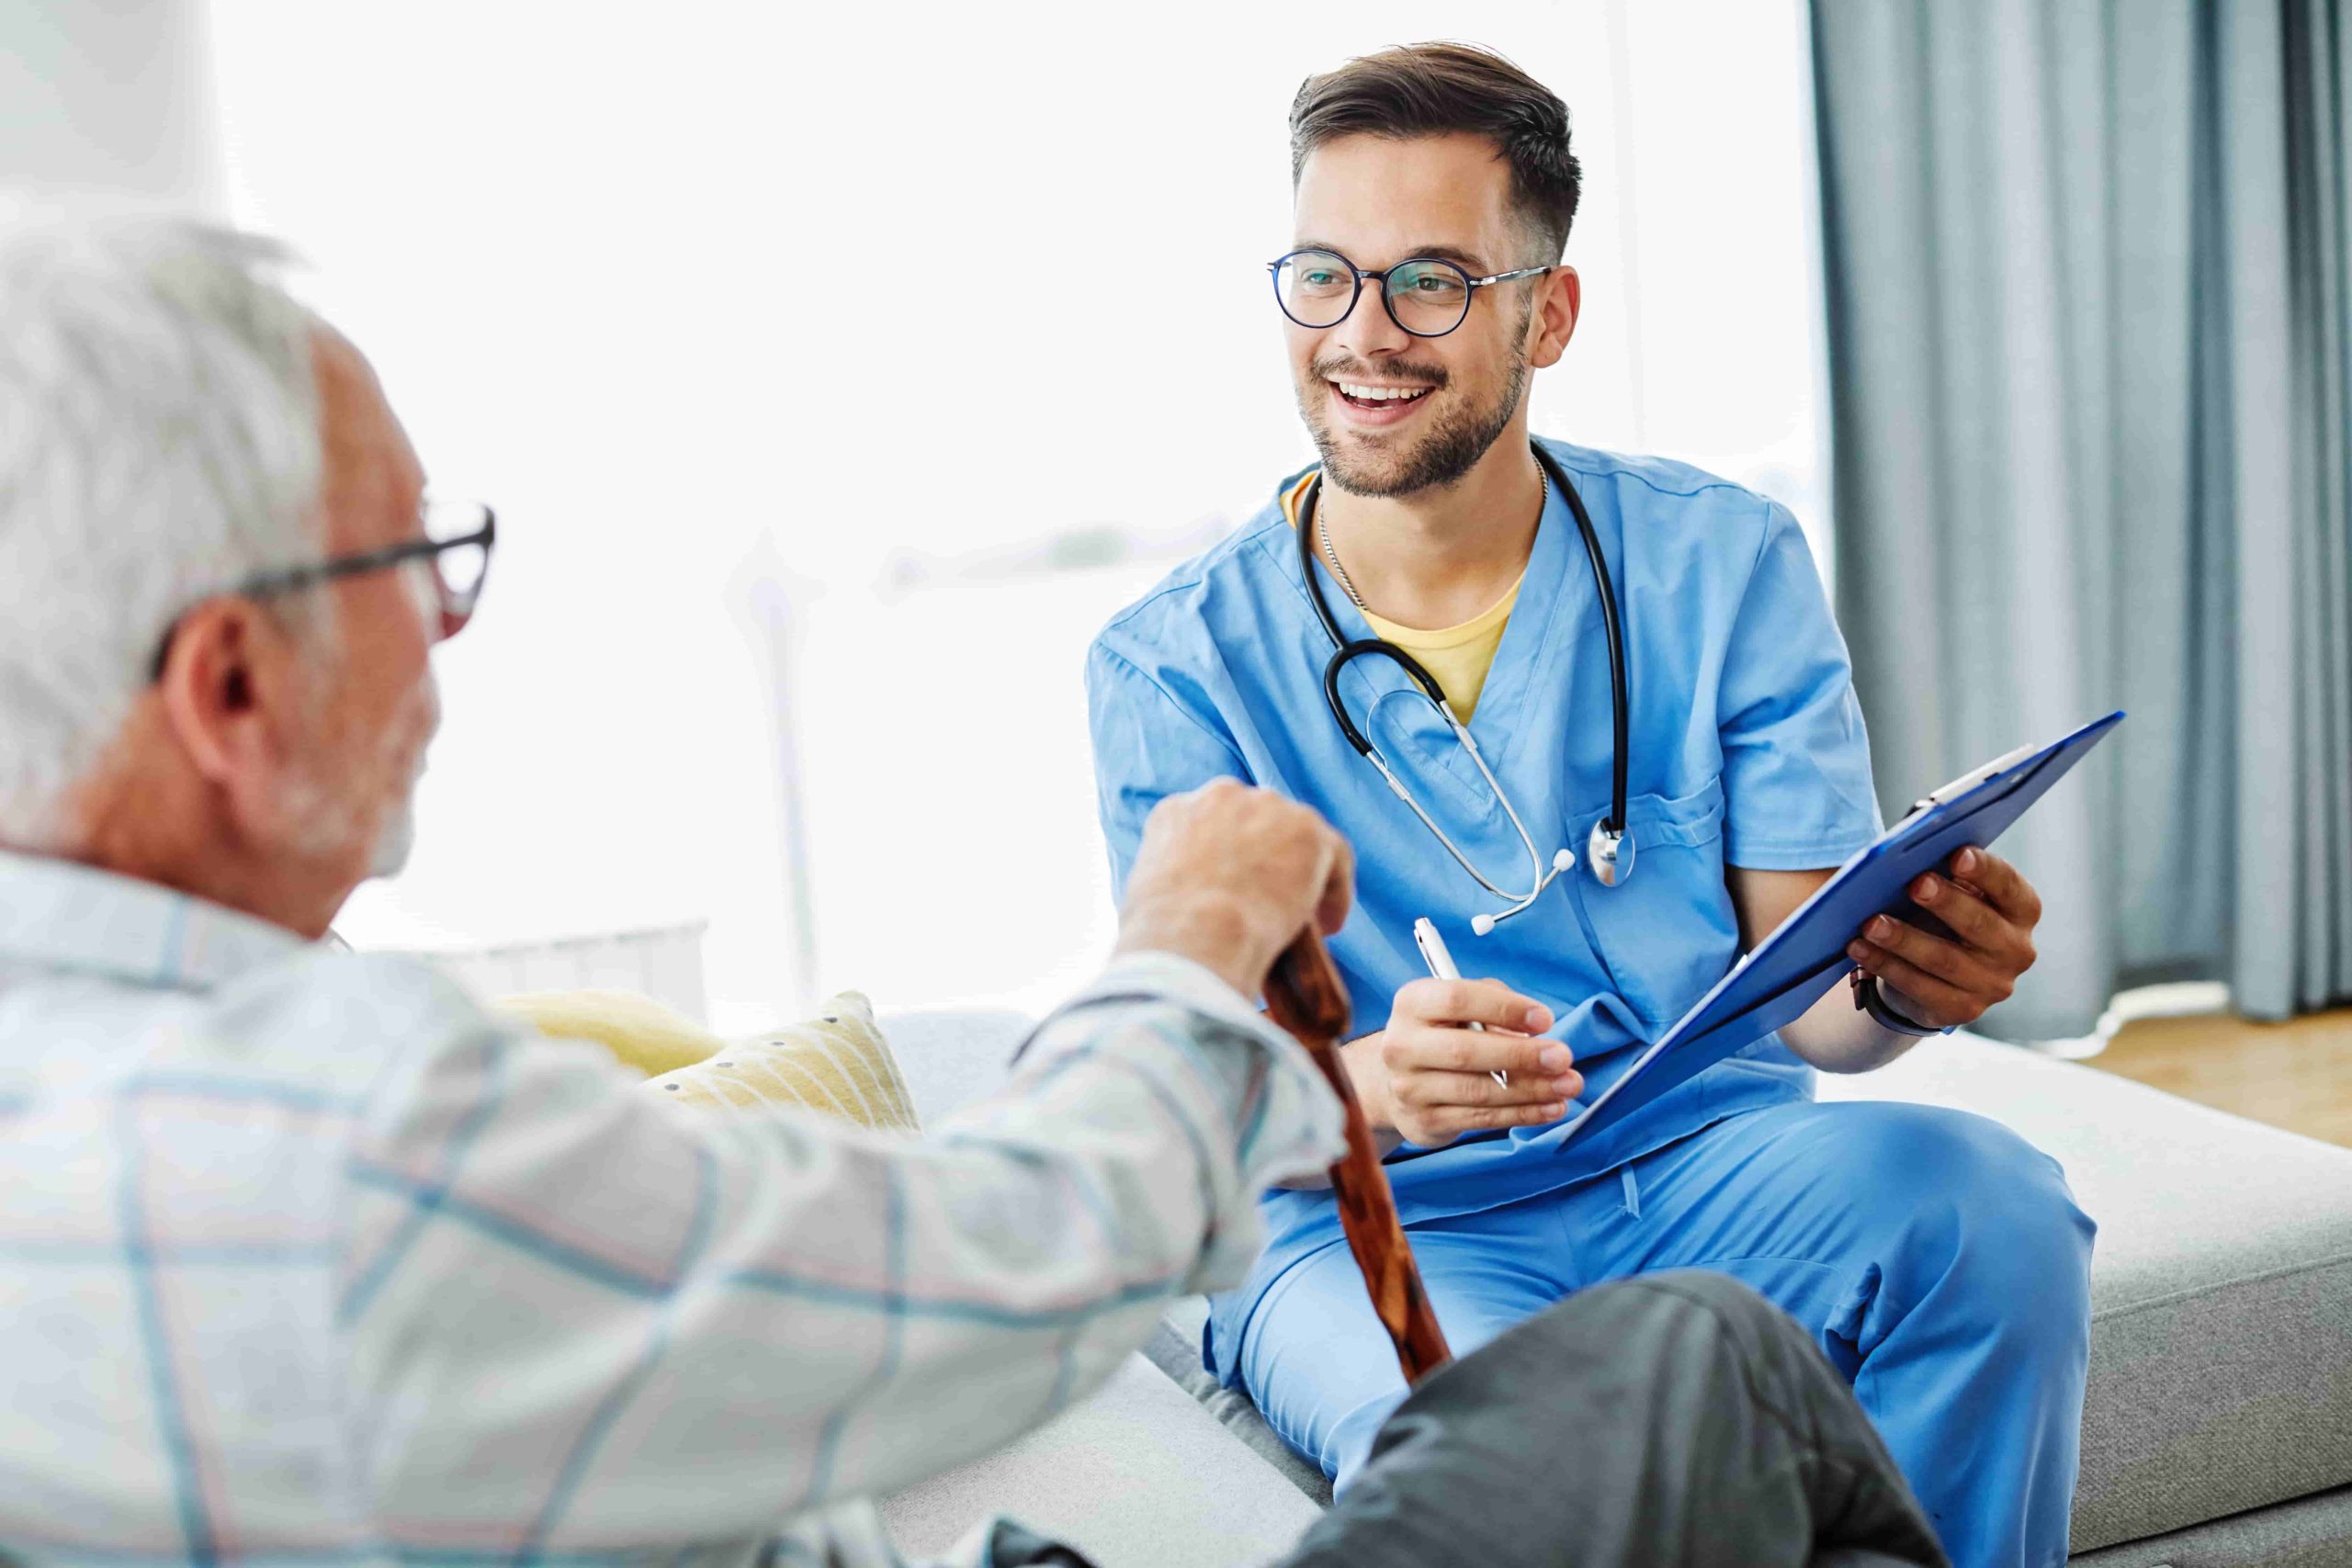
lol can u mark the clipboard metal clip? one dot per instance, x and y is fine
(1971, 780)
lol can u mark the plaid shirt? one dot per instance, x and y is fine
(304, 1258)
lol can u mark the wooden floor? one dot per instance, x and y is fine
(2297, 1076)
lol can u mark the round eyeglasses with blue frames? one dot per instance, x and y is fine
(1426, 296)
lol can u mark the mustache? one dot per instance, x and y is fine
(1428, 376)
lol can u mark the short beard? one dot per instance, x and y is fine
(1446, 452)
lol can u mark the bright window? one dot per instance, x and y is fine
(753, 317)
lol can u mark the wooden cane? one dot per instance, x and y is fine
(1305, 995)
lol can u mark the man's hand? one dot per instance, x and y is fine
(1427, 1075)
(1940, 982)
(1228, 876)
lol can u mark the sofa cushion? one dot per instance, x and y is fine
(2309, 1532)
(1175, 1348)
(1137, 1473)
(2221, 1285)
(953, 1058)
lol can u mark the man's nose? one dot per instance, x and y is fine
(1370, 332)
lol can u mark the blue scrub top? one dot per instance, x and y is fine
(1747, 749)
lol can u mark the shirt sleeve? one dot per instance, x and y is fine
(1796, 758)
(582, 1318)
(1147, 747)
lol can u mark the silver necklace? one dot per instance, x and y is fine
(1323, 532)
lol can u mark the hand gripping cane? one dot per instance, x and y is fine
(1305, 995)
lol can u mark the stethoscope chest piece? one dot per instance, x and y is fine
(1609, 854)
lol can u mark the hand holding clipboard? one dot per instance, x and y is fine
(1787, 972)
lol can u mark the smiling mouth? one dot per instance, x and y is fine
(1356, 394)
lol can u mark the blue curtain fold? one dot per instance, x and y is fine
(2085, 264)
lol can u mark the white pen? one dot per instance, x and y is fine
(1441, 963)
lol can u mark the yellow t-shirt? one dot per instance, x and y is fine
(1456, 657)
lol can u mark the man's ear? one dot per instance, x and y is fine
(1555, 315)
(227, 691)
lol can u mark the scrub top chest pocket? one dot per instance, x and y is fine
(1668, 931)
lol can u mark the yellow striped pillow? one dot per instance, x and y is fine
(839, 1064)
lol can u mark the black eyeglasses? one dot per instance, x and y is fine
(1426, 296)
(458, 537)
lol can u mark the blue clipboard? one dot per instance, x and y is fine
(1785, 974)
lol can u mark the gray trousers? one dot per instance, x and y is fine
(1677, 1420)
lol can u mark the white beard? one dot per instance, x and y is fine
(394, 841)
(397, 836)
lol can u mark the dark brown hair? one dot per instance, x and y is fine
(1439, 89)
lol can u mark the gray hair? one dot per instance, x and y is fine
(159, 441)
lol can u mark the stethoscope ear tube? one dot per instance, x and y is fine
(1349, 653)
(1331, 669)
(1620, 699)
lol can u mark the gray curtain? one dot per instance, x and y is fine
(2086, 265)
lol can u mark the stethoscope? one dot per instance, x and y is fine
(1609, 853)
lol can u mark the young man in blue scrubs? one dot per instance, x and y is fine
(1937, 1258)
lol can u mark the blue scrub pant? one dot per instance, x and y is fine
(1937, 1258)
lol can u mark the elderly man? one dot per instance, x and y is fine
(302, 1255)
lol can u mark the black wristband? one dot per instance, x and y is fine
(1882, 1013)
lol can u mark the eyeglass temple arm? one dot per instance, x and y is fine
(1507, 276)
(287, 579)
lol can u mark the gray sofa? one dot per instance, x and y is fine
(2217, 1432)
